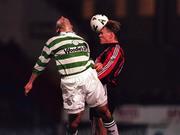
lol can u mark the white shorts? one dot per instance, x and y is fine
(82, 88)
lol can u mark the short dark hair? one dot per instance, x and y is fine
(113, 26)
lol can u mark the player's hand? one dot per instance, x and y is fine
(98, 66)
(27, 88)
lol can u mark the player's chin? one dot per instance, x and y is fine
(101, 42)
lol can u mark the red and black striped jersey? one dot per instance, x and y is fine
(113, 60)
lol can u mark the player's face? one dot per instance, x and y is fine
(105, 36)
(67, 23)
(63, 23)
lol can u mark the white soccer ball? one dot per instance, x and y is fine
(98, 22)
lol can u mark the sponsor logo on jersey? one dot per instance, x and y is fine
(75, 49)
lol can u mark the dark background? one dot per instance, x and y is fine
(150, 75)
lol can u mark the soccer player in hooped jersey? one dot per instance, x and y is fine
(108, 65)
(79, 81)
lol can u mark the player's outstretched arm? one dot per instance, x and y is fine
(29, 85)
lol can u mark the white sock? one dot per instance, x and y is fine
(111, 128)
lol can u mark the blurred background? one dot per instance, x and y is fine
(149, 91)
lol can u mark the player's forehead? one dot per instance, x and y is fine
(62, 19)
(104, 30)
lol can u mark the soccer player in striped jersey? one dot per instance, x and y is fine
(108, 65)
(79, 81)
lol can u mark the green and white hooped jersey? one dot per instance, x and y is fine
(70, 51)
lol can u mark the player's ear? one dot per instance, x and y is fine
(112, 35)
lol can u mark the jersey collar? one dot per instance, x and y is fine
(66, 33)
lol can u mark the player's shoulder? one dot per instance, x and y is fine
(79, 36)
(74, 35)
